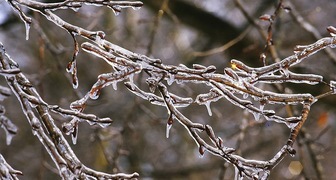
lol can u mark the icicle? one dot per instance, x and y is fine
(74, 134)
(136, 7)
(9, 137)
(256, 115)
(104, 125)
(131, 78)
(27, 26)
(169, 126)
(116, 9)
(207, 105)
(114, 85)
(262, 107)
(171, 79)
(72, 69)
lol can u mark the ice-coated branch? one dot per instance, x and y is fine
(6, 171)
(42, 124)
(239, 84)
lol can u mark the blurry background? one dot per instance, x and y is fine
(183, 34)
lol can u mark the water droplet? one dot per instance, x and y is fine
(245, 95)
(94, 93)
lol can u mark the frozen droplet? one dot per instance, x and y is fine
(27, 26)
(94, 93)
(74, 81)
(169, 126)
(207, 105)
(333, 86)
(201, 151)
(245, 95)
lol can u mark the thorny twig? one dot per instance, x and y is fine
(238, 85)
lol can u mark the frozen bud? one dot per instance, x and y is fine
(287, 8)
(198, 66)
(266, 17)
(331, 30)
(201, 150)
(101, 34)
(219, 142)
(209, 131)
(210, 69)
